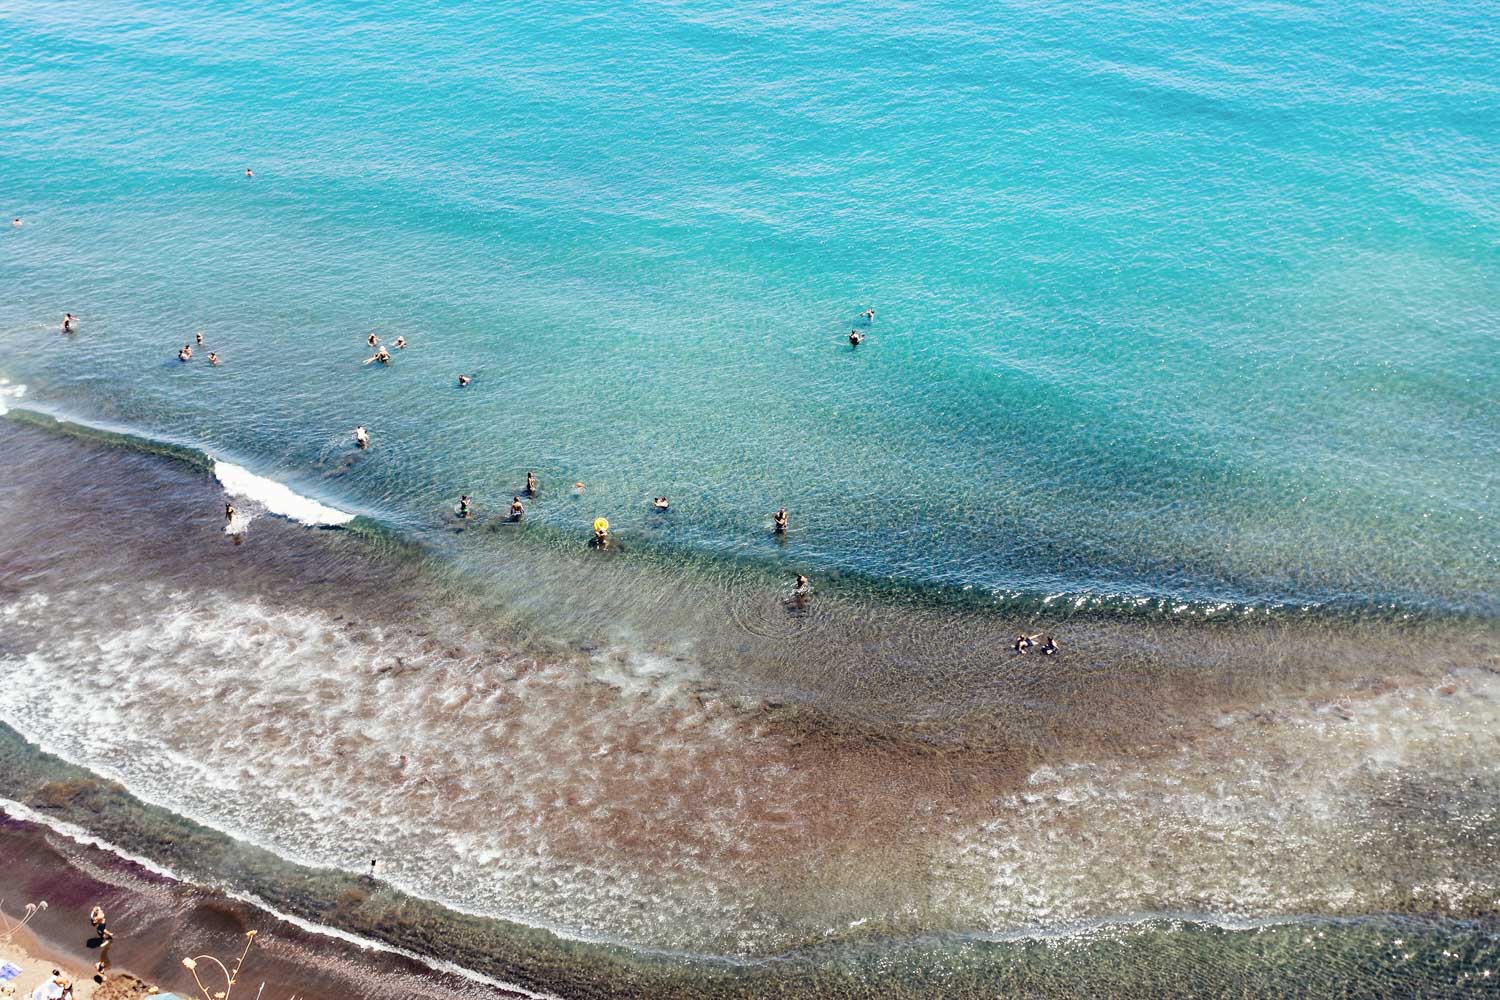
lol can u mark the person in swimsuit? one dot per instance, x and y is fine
(778, 521)
(803, 587)
(856, 338)
(372, 340)
(16, 223)
(530, 484)
(249, 172)
(1048, 646)
(1022, 643)
(869, 315)
(361, 437)
(68, 323)
(381, 355)
(400, 343)
(463, 380)
(186, 354)
(660, 503)
(96, 917)
(463, 506)
(229, 512)
(213, 359)
(517, 509)
(200, 340)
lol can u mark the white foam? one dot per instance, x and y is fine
(9, 394)
(275, 497)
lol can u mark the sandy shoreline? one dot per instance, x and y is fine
(158, 921)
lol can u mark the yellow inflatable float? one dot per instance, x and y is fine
(601, 526)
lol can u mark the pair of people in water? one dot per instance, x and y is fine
(186, 354)
(1024, 643)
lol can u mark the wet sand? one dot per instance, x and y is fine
(158, 921)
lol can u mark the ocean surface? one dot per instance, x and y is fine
(1186, 350)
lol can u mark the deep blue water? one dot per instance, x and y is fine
(1197, 301)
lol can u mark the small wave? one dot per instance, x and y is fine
(9, 393)
(275, 497)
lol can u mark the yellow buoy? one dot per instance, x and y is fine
(601, 526)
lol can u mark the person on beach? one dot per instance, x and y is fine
(400, 343)
(463, 506)
(69, 323)
(778, 521)
(186, 354)
(856, 338)
(96, 917)
(530, 484)
(381, 355)
(660, 503)
(213, 359)
(517, 510)
(361, 437)
(1022, 643)
(463, 380)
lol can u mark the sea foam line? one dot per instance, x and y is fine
(77, 834)
(276, 497)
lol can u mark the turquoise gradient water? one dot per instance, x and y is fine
(1188, 301)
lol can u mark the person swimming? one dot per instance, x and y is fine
(69, 323)
(213, 359)
(869, 315)
(361, 437)
(400, 343)
(1022, 643)
(372, 340)
(463, 380)
(856, 338)
(249, 172)
(530, 484)
(381, 355)
(186, 354)
(660, 503)
(16, 223)
(463, 506)
(778, 521)
(803, 587)
(199, 335)
(517, 509)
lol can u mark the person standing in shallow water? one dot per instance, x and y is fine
(530, 484)
(69, 323)
(778, 521)
(463, 506)
(361, 437)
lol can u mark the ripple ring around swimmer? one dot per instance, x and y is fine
(768, 616)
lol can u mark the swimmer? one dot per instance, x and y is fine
(778, 521)
(463, 380)
(463, 506)
(249, 172)
(1022, 643)
(69, 323)
(361, 437)
(577, 489)
(186, 354)
(869, 315)
(530, 484)
(213, 359)
(856, 338)
(517, 510)
(200, 339)
(660, 503)
(803, 587)
(1048, 646)
(372, 340)
(400, 343)
(381, 355)
(16, 223)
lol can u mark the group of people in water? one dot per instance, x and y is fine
(186, 354)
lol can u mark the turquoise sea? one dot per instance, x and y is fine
(1184, 348)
